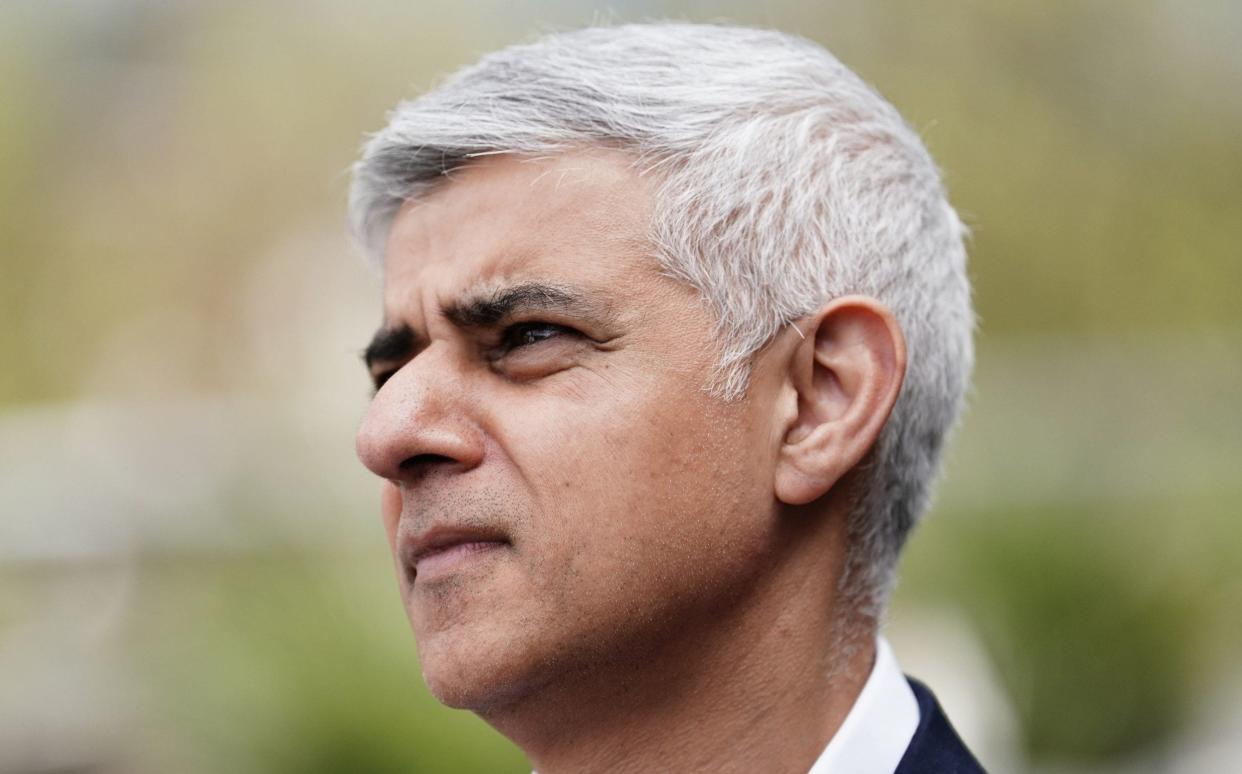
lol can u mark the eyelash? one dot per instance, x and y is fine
(512, 338)
(383, 377)
(519, 335)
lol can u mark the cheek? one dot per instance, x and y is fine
(390, 512)
(647, 496)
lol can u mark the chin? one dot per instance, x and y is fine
(471, 673)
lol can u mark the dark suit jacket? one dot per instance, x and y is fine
(935, 748)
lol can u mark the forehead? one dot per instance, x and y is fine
(581, 218)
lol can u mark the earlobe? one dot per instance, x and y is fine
(846, 374)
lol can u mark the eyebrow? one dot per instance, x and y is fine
(389, 345)
(490, 307)
(483, 309)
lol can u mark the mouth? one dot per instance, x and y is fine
(440, 552)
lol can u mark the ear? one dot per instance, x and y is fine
(846, 375)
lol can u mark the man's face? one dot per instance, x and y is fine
(563, 495)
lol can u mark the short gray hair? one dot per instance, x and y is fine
(784, 182)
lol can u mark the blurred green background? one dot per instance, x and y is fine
(192, 573)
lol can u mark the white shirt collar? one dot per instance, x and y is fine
(879, 726)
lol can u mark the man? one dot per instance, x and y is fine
(675, 323)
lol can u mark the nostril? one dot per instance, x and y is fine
(421, 463)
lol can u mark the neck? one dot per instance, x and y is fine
(760, 686)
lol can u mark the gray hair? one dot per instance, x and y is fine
(784, 182)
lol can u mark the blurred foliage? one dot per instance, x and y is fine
(165, 167)
(1105, 620)
(308, 656)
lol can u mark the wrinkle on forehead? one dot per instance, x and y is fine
(504, 220)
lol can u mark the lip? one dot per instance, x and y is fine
(442, 551)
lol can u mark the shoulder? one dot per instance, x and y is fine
(936, 747)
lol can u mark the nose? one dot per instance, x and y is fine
(419, 422)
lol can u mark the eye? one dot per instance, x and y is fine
(526, 334)
(383, 376)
